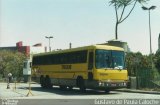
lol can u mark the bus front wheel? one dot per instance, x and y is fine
(107, 90)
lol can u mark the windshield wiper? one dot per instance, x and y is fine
(108, 68)
(118, 67)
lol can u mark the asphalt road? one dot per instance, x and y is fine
(55, 96)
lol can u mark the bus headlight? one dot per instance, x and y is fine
(123, 84)
(101, 83)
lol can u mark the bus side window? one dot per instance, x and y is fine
(90, 62)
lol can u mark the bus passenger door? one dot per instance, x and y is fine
(90, 66)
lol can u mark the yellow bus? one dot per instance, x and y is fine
(94, 67)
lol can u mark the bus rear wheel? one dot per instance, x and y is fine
(42, 81)
(48, 82)
(107, 90)
(70, 87)
(81, 84)
(63, 87)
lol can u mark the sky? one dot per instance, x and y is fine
(80, 22)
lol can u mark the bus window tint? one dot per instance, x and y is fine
(62, 58)
(118, 59)
(103, 59)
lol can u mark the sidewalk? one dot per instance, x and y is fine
(138, 91)
(9, 93)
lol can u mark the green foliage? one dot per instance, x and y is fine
(11, 62)
(137, 61)
(122, 15)
(140, 66)
(157, 61)
(121, 3)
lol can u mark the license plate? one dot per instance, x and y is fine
(113, 84)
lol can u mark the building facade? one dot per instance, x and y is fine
(19, 47)
(118, 43)
(27, 50)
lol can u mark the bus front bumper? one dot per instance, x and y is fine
(111, 84)
(95, 84)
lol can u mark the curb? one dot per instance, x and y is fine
(138, 91)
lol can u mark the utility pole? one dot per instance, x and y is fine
(148, 9)
(70, 45)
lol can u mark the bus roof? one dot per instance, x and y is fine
(104, 47)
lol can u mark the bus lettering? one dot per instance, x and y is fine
(66, 66)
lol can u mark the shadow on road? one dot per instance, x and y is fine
(74, 91)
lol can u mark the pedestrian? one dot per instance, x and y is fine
(9, 80)
(9, 77)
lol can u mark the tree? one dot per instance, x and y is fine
(123, 4)
(137, 61)
(11, 62)
(157, 61)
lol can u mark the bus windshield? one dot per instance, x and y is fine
(109, 59)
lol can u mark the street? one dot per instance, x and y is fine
(55, 93)
(69, 97)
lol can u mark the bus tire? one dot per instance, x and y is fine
(107, 91)
(62, 87)
(48, 82)
(81, 84)
(42, 81)
(70, 87)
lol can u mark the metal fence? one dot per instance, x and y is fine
(147, 78)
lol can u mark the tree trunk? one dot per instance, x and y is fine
(116, 31)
